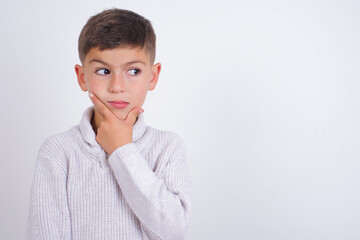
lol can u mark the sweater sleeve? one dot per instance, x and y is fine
(48, 216)
(160, 201)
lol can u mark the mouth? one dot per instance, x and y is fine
(119, 104)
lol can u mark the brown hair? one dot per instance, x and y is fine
(117, 28)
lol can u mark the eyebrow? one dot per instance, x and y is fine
(125, 64)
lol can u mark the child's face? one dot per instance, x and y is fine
(120, 74)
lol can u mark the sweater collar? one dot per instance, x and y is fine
(89, 136)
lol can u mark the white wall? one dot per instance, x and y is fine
(265, 94)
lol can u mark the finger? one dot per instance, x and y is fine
(133, 114)
(101, 107)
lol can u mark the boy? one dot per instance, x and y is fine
(111, 176)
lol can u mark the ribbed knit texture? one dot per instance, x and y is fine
(141, 191)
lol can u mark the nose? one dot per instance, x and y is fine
(117, 83)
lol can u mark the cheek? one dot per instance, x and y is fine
(136, 91)
(95, 86)
(140, 95)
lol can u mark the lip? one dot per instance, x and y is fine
(119, 104)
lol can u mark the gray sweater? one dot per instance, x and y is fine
(141, 191)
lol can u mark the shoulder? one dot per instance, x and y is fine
(56, 148)
(167, 139)
(56, 144)
(167, 151)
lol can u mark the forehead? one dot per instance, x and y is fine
(118, 56)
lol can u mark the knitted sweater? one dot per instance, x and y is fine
(141, 191)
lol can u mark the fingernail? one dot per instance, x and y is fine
(91, 95)
(141, 111)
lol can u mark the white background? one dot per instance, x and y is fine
(264, 93)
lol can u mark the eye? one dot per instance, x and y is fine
(134, 71)
(102, 71)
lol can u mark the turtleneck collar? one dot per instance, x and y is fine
(88, 133)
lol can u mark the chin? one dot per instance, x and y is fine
(121, 115)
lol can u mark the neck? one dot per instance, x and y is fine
(93, 123)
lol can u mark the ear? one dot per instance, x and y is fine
(80, 77)
(156, 68)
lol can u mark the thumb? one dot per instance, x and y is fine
(133, 114)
